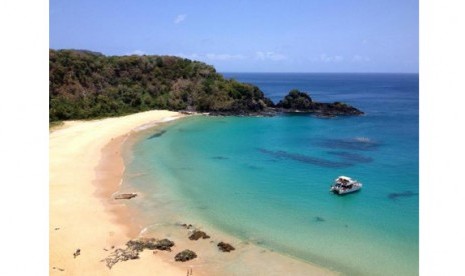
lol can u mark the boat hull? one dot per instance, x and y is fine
(339, 190)
(344, 192)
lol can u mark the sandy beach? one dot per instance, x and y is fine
(86, 168)
(79, 219)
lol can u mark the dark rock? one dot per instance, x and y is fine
(296, 100)
(300, 102)
(150, 243)
(141, 244)
(125, 196)
(121, 255)
(185, 255)
(77, 253)
(133, 247)
(197, 234)
(164, 244)
(225, 247)
(186, 226)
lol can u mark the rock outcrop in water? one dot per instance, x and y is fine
(85, 85)
(297, 102)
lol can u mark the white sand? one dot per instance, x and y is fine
(82, 219)
(86, 169)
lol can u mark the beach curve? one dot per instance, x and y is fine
(78, 218)
(86, 168)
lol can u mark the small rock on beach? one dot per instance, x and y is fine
(185, 256)
(225, 247)
(197, 234)
(77, 253)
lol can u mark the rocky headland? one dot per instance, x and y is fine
(88, 85)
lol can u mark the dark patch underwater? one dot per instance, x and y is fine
(306, 159)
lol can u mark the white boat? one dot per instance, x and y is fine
(344, 185)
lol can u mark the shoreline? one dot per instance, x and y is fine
(107, 173)
(78, 217)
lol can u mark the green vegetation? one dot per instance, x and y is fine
(54, 125)
(86, 85)
(296, 100)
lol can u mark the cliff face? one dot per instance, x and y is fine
(85, 84)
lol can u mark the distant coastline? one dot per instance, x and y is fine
(89, 85)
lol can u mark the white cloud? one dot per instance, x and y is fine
(269, 56)
(180, 18)
(358, 58)
(213, 56)
(189, 56)
(335, 59)
(137, 53)
(224, 57)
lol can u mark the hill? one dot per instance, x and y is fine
(85, 84)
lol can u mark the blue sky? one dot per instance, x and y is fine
(248, 36)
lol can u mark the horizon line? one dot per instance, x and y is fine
(262, 72)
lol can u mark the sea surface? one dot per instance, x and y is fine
(266, 180)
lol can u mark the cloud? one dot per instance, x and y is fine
(224, 57)
(136, 52)
(180, 18)
(213, 56)
(358, 58)
(189, 56)
(335, 59)
(269, 56)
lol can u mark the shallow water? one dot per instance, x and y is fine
(266, 180)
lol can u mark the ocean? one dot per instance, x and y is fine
(265, 180)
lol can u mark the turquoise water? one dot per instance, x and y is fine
(267, 180)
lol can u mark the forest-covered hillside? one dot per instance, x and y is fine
(85, 84)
